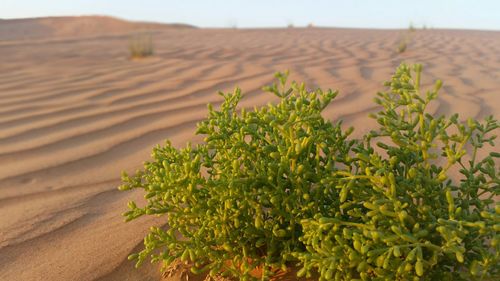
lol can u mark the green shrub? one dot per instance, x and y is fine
(281, 186)
(241, 195)
(398, 215)
(141, 45)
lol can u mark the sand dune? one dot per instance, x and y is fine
(84, 26)
(75, 112)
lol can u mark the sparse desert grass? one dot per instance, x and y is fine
(280, 186)
(141, 45)
(405, 39)
(403, 44)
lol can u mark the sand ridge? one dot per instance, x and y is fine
(75, 112)
(74, 27)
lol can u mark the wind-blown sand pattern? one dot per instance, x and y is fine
(75, 112)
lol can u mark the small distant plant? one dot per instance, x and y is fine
(280, 186)
(405, 39)
(411, 27)
(403, 44)
(141, 45)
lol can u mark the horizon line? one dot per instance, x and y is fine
(285, 26)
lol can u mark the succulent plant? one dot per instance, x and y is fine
(279, 186)
(399, 215)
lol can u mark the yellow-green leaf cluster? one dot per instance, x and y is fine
(280, 186)
(401, 217)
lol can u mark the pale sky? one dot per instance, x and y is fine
(464, 14)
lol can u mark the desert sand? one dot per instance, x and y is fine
(75, 111)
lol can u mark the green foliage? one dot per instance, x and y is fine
(241, 195)
(281, 186)
(400, 217)
(141, 45)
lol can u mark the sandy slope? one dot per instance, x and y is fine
(84, 26)
(75, 112)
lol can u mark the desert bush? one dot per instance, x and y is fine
(398, 215)
(280, 186)
(240, 195)
(141, 45)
